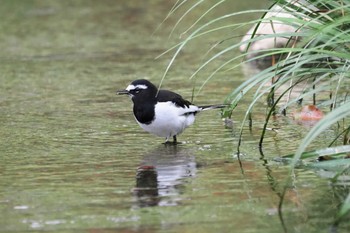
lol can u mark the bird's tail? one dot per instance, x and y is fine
(208, 107)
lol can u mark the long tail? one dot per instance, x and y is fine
(208, 107)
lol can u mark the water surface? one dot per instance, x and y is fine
(74, 160)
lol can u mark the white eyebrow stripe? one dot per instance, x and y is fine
(133, 87)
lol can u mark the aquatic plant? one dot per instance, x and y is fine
(311, 65)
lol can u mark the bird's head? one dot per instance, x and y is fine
(140, 87)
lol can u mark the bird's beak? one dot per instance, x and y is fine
(123, 92)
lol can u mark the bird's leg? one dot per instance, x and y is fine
(167, 141)
(174, 139)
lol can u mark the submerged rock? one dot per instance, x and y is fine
(271, 27)
(274, 24)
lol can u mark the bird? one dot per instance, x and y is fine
(162, 112)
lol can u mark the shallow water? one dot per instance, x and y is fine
(74, 160)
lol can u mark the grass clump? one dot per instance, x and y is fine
(304, 57)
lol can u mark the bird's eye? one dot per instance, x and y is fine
(135, 91)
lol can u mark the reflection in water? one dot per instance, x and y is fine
(161, 174)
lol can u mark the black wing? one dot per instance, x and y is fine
(165, 95)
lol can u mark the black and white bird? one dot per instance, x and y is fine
(161, 112)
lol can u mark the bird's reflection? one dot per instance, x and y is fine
(161, 174)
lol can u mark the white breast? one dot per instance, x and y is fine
(170, 120)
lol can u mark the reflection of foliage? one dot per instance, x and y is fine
(316, 60)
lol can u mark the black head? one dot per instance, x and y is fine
(140, 88)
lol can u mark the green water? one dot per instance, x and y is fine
(73, 159)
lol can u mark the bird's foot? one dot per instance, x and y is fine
(174, 142)
(169, 143)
